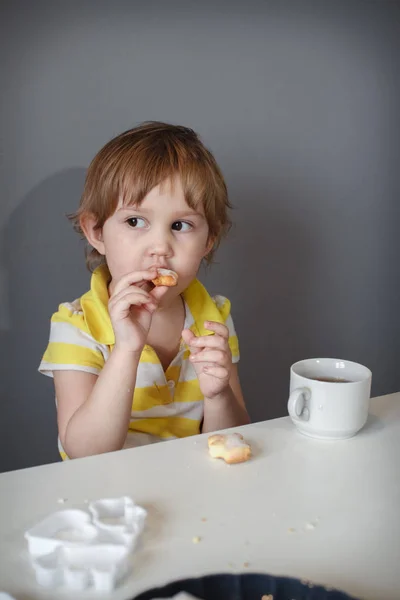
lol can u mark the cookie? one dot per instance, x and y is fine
(165, 277)
(231, 447)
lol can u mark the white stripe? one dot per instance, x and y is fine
(47, 368)
(187, 410)
(187, 371)
(74, 307)
(66, 333)
(219, 300)
(149, 374)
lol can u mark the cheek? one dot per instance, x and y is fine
(118, 249)
(192, 253)
(116, 240)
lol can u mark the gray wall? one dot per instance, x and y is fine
(299, 102)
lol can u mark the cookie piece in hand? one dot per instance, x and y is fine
(230, 446)
(165, 277)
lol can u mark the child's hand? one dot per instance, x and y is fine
(131, 308)
(211, 358)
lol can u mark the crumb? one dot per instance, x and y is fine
(196, 539)
(62, 500)
(246, 565)
(204, 519)
(291, 530)
(309, 526)
(231, 565)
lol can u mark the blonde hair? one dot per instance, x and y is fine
(130, 165)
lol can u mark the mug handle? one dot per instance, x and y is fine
(296, 404)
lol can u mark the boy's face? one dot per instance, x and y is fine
(162, 232)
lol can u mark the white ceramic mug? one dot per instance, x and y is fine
(329, 398)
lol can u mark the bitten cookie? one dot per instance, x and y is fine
(165, 277)
(231, 447)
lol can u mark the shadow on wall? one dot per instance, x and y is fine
(44, 266)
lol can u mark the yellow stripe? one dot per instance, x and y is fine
(234, 345)
(70, 354)
(63, 455)
(147, 397)
(149, 355)
(167, 426)
(185, 391)
(188, 391)
(172, 373)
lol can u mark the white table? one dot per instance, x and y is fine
(350, 489)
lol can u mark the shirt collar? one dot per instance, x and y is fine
(95, 307)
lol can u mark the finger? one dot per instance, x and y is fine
(126, 292)
(209, 341)
(123, 305)
(133, 278)
(211, 356)
(159, 291)
(218, 328)
(215, 371)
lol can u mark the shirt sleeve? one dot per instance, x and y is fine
(224, 307)
(71, 347)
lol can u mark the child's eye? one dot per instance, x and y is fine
(136, 222)
(181, 226)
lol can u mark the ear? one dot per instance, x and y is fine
(209, 246)
(93, 234)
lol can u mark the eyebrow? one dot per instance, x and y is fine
(177, 215)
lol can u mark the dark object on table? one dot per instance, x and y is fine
(245, 587)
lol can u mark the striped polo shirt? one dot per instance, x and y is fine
(166, 404)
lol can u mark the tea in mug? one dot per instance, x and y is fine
(331, 379)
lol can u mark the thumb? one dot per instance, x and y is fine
(158, 292)
(188, 337)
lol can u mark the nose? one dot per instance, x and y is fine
(160, 244)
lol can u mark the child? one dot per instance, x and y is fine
(154, 197)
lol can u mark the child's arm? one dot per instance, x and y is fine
(211, 356)
(94, 411)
